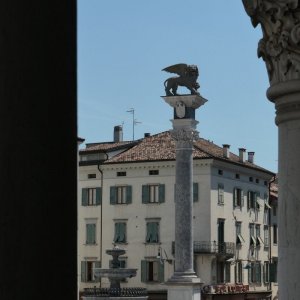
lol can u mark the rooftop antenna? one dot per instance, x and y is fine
(134, 121)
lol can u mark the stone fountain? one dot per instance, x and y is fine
(115, 274)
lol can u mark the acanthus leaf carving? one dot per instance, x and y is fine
(280, 45)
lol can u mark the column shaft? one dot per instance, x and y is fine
(184, 210)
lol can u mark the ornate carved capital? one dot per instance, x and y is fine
(184, 135)
(280, 45)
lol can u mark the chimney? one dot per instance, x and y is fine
(146, 134)
(242, 154)
(118, 134)
(226, 152)
(251, 157)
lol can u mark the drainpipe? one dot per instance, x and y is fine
(101, 213)
(269, 221)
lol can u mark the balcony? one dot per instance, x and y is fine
(225, 249)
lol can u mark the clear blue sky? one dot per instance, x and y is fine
(124, 45)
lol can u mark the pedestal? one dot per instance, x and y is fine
(184, 292)
(184, 283)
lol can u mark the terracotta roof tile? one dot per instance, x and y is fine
(162, 147)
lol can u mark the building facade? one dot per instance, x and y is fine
(126, 198)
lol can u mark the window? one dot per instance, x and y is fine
(91, 176)
(121, 174)
(120, 232)
(237, 176)
(251, 179)
(238, 197)
(238, 272)
(153, 172)
(256, 180)
(195, 191)
(274, 211)
(90, 233)
(152, 271)
(273, 270)
(254, 274)
(252, 236)
(223, 272)
(266, 272)
(220, 172)
(120, 194)
(251, 199)
(220, 194)
(266, 236)
(239, 238)
(275, 234)
(91, 196)
(152, 232)
(87, 270)
(153, 193)
(259, 240)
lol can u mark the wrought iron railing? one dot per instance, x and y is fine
(212, 247)
(115, 292)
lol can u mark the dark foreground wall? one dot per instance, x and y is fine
(38, 149)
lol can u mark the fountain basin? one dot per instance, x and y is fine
(114, 273)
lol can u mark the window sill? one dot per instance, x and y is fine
(90, 244)
(120, 243)
(152, 243)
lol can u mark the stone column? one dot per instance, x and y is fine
(280, 49)
(184, 284)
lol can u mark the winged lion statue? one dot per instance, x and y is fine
(188, 75)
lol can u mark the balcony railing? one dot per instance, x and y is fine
(226, 249)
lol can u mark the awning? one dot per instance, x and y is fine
(240, 239)
(267, 205)
(260, 241)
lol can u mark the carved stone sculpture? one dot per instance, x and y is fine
(188, 75)
(280, 45)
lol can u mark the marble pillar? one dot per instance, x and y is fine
(184, 283)
(280, 49)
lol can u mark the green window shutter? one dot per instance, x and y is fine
(144, 271)
(161, 272)
(149, 232)
(248, 199)
(90, 233)
(84, 197)
(129, 194)
(98, 195)
(113, 195)
(83, 271)
(273, 271)
(258, 273)
(145, 194)
(161, 193)
(234, 197)
(242, 198)
(195, 192)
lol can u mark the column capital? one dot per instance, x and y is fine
(184, 135)
(280, 45)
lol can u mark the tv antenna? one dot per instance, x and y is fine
(134, 121)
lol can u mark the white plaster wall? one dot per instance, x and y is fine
(206, 212)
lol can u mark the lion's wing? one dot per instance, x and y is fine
(177, 69)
